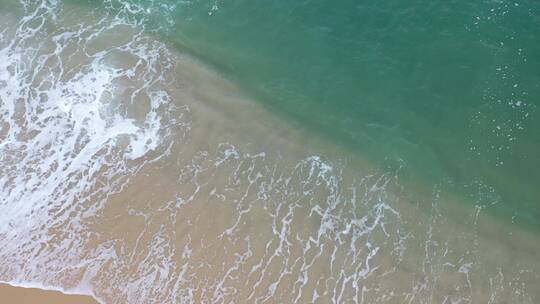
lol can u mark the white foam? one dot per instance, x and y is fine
(296, 229)
(84, 291)
(62, 132)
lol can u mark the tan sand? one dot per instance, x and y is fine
(237, 211)
(20, 295)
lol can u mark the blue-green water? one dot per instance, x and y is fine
(344, 152)
(448, 89)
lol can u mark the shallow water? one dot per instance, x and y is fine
(135, 172)
(447, 90)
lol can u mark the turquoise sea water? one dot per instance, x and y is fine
(447, 89)
(232, 151)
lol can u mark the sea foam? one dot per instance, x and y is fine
(132, 173)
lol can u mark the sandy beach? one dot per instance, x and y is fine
(133, 172)
(21, 295)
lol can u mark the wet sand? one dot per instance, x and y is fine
(232, 205)
(22, 295)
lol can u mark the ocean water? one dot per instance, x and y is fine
(448, 90)
(271, 151)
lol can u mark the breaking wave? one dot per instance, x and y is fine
(118, 181)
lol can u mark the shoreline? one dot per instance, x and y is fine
(22, 294)
(320, 139)
(287, 218)
(300, 138)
